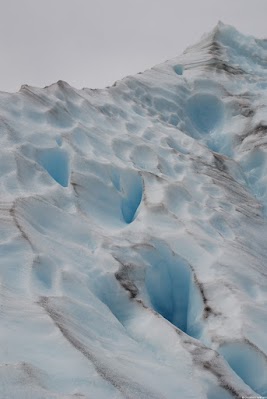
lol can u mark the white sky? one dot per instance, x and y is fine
(92, 43)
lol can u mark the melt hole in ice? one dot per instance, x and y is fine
(132, 193)
(175, 294)
(205, 111)
(168, 281)
(248, 363)
(56, 163)
(178, 69)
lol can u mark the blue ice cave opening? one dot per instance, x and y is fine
(178, 69)
(174, 293)
(205, 111)
(132, 193)
(56, 162)
(168, 279)
(248, 363)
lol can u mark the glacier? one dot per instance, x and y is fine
(133, 231)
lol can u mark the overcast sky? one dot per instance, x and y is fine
(92, 43)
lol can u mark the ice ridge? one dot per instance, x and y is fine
(133, 231)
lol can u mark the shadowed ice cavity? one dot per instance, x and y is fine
(178, 69)
(248, 363)
(176, 294)
(205, 111)
(129, 188)
(166, 282)
(110, 195)
(172, 290)
(56, 163)
(132, 192)
(162, 280)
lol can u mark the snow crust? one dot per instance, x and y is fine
(133, 231)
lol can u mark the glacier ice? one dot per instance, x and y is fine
(133, 231)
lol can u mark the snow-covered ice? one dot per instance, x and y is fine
(133, 231)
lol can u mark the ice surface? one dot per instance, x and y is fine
(133, 231)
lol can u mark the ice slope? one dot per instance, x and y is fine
(133, 231)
